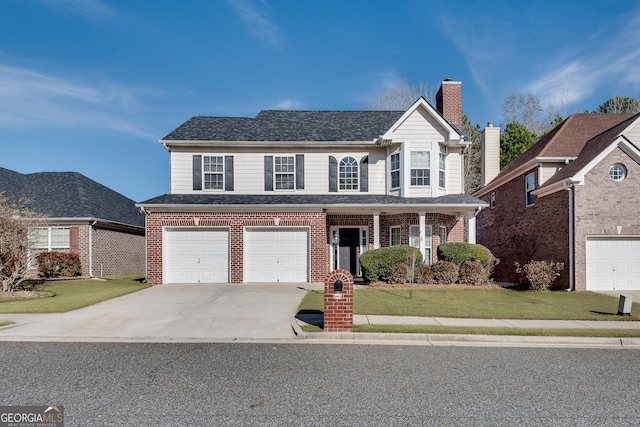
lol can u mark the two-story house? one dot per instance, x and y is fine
(288, 196)
(572, 197)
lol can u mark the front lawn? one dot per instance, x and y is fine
(74, 294)
(494, 303)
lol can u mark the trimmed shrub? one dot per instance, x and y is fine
(458, 252)
(424, 276)
(376, 264)
(444, 272)
(540, 274)
(472, 273)
(399, 274)
(56, 264)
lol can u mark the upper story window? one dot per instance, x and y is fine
(395, 170)
(442, 167)
(492, 200)
(213, 171)
(348, 174)
(285, 172)
(530, 185)
(420, 174)
(617, 172)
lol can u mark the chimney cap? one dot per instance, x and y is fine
(448, 79)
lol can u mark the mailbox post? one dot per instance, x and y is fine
(338, 302)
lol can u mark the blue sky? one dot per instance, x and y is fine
(92, 85)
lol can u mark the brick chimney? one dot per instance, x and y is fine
(449, 102)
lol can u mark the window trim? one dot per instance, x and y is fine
(205, 173)
(530, 198)
(428, 241)
(425, 177)
(391, 230)
(442, 233)
(393, 170)
(291, 174)
(352, 176)
(492, 200)
(617, 172)
(442, 170)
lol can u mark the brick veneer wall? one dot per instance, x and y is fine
(116, 253)
(602, 204)
(514, 232)
(236, 223)
(83, 248)
(338, 311)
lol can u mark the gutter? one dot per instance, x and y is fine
(91, 248)
(568, 185)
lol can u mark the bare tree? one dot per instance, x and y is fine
(620, 104)
(15, 222)
(527, 110)
(401, 97)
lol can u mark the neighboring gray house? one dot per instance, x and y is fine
(102, 226)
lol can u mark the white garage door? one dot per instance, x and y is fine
(280, 255)
(196, 256)
(613, 263)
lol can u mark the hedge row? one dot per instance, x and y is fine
(58, 264)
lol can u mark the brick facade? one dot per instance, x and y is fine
(116, 253)
(541, 231)
(338, 306)
(601, 205)
(236, 223)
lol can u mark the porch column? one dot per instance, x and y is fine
(472, 228)
(376, 230)
(423, 227)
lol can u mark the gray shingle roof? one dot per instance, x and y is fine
(69, 195)
(280, 125)
(307, 199)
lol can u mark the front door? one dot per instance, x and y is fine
(348, 250)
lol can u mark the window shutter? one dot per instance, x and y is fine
(268, 173)
(333, 174)
(74, 240)
(364, 174)
(300, 171)
(197, 172)
(228, 173)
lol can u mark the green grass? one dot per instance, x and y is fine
(6, 323)
(482, 304)
(470, 330)
(74, 294)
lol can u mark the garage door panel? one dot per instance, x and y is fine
(276, 255)
(613, 263)
(196, 256)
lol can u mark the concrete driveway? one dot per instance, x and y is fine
(184, 312)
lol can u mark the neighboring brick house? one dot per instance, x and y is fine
(573, 197)
(288, 196)
(102, 226)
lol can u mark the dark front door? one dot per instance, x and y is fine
(348, 250)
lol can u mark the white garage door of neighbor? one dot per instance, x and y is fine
(196, 256)
(277, 255)
(613, 263)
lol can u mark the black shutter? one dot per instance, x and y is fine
(364, 174)
(300, 171)
(268, 173)
(197, 172)
(228, 173)
(333, 174)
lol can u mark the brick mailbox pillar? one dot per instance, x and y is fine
(338, 301)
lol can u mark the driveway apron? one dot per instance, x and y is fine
(173, 312)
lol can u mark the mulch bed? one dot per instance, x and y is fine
(22, 295)
(415, 286)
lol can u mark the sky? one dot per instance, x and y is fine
(90, 86)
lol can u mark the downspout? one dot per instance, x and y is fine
(568, 185)
(91, 248)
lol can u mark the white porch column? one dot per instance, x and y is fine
(422, 223)
(472, 228)
(376, 230)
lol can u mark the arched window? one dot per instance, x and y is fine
(348, 174)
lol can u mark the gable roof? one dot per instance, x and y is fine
(69, 195)
(591, 150)
(564, 142)
(288, 125)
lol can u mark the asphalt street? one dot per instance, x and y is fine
(241, 384)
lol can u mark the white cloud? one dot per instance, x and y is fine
(94, 9)
(30, 98)
(288, 104)
(257, 23)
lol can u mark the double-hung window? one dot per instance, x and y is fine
(395, 170)
(348, 174)
(442, 166)
(530, 185)
(213, 171)
(394, 236)
(285, 172)
(420, 174)
(49, 239)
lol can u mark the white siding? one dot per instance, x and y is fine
(633, 133)
(547, 170)
(453, 173)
